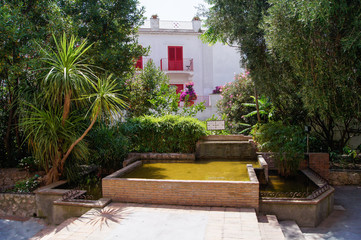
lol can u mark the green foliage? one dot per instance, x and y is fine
(108, 147)
(166, 134)
(53, 128)
(29, 164)
(234, 94)
(112, 26)
(149, 92)
(320, 41)
(303, 55)
(26, 186)
(21, 22)
(287, 141)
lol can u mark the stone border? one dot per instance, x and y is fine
(159, 157)
(226, 138)
(339, 177)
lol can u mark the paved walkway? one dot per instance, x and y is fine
(345, 222)
(19, 229)
(138, 222)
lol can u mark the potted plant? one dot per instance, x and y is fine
(217, 90)
(188, 95)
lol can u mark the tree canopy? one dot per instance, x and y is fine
(304, 55)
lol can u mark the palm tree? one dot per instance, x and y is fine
(52, 129)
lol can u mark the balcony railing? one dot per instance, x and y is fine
(141, 63)
(186, 64)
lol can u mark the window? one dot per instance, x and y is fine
(175, 58)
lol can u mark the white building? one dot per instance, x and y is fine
(175, 47)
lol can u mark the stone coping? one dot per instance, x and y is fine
(226, 138)
(49, 189)
(100, 203)
(125, 170)
(320, 182)
(252, 174)
(159, 157)
(346, 170)
(299, 201)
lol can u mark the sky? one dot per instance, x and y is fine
(175, 10)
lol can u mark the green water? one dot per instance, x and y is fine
(298, 183)
(202, 170)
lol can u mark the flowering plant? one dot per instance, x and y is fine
(217, 90)
(189, 91)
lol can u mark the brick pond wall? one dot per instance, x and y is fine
(22, 205)
(178, 192)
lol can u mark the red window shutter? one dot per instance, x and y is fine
(175, 58)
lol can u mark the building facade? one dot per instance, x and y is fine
(175, 47)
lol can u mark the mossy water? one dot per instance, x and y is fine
(298, 183)
(199, 170)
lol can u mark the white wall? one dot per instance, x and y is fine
(213, 65)
(226, 63)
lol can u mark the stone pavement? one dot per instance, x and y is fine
(19, 228)
(345, 222)
(147, 222)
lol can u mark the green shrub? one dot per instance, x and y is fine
(108, 147)
(27, 185)
(231, 105)
(29, 164)
(287, 141)
(165, 134)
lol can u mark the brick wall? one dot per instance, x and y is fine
(320, 163)
(178, 192)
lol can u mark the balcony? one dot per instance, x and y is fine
(142, 61)
(183, 65)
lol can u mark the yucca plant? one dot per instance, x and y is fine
(52, 129)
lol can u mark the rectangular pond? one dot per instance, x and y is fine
(235, 184)
(199, 170)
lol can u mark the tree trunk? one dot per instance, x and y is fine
(257, 106)
(8, 131)
(77, 141)
(66, 110)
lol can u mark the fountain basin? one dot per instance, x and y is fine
(213, 193)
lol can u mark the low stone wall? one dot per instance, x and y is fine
(182, 192)
(9, 176)
(21, 205)
(345, 177)
(226, 150)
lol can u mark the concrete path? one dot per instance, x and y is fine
(345, 222)
(147, 222)
(19, 229)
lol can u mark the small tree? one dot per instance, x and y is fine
(52, 127)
